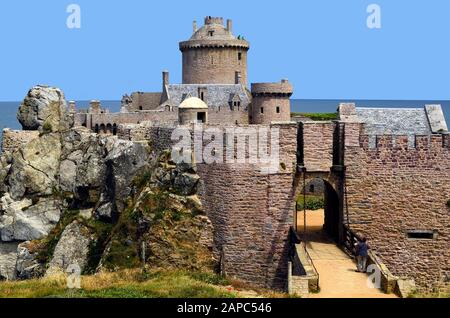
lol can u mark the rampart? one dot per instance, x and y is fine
(397, 196)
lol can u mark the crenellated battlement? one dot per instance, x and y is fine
(405, 142)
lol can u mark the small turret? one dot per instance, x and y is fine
(271, 102)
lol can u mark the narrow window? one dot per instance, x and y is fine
(140, 108)
(239, 56)
(311, 188)
(421, 235)
(202, 96)
(278, 109)
(262, 110)
(211, 33)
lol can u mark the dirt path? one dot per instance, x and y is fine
(338, 278)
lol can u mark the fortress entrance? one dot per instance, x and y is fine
(318, 211)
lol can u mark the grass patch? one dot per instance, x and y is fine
(317, 116)
(313, 202)
(123, 284)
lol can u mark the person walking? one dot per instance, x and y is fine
(362, 253)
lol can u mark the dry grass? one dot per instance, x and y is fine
(134, 284)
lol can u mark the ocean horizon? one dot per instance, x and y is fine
(8, 110)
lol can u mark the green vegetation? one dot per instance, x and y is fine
(313, 202)
(317, 116)
(136, 284)
(125, 284)
(47, 128)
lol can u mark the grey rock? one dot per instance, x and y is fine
(186, 183)
(27, 266)
(105, 211)
(72, 249)
(8, 258)
(35, 167)
(125, 159)
(42, 106)
(23, 221)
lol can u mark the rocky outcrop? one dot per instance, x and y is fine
(63, 192)
(72, 249)
(8, 258)
(45, 109)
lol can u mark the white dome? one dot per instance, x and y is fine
(193, 103)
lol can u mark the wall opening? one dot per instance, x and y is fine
(278, 109)
(239, 56)
(201, 117)
(421, 235)
(322, 205)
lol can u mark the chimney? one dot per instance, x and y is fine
(230, 25)
(72, 106)
(95, 107)
(194, 25)
(238, 78)
(165, 79)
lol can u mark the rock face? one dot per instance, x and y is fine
(27, 265)
(167, 218)
(8, 258)
(45, 108)
(24, 221)
(72, 249)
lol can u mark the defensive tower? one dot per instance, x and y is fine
(213, 55)
(271, 102)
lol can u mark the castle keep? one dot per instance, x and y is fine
(386, 172)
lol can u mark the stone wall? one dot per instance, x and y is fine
(13, 139)
(393, 189)
(227, 116)
(91, 120)
(318, 145)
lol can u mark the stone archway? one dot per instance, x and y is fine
(331, 212)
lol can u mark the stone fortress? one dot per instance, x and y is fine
(214, 71)
(386, 172)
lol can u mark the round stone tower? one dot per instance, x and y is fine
(271, 102)
(213, 55)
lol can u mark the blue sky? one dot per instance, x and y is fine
(323, 46)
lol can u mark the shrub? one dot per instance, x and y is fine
(47, 128)
(318, 116)
(312, 203)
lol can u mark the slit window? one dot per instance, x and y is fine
(278, 109)
(262, 110)
(239, 56)
(421, 235)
